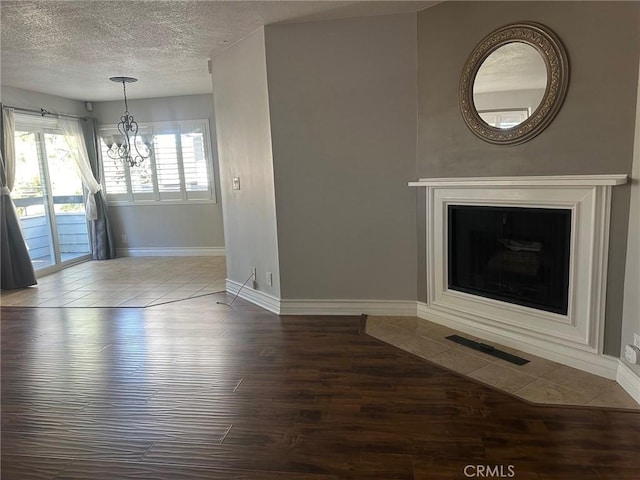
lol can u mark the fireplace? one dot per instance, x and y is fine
(522, 262)
(512, 254)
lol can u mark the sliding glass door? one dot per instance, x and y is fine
(48, 195)
(31, 199)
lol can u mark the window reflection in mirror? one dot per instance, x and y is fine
(509, 85)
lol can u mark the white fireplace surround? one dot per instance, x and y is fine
(574, 339)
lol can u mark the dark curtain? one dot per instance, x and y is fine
(15, 264)
(16, 269)
(102, 239)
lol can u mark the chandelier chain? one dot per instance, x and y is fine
(124, 92)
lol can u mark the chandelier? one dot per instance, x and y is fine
(127, 146)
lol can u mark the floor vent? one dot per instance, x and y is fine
(488, 349)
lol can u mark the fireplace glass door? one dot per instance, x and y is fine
(517, 255)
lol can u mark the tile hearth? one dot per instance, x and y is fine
(539, 381)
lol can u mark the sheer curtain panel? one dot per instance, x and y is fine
(74, 138)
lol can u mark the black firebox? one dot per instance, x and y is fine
(517, 255)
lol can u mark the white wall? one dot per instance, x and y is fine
(529, 98)
(244, 150)
(196, 227)
(342, 98)
(631, 308)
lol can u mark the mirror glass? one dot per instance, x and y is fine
(510, 85)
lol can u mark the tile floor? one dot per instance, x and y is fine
(539, 381)
(123, 282)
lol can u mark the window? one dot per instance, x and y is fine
(179, 169)
(507, 118)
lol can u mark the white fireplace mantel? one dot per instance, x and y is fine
(575, 339)
(547, 181)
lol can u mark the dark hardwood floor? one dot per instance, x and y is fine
(195, 390)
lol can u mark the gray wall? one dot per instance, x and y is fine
(196, 225)
(16, 97)
(186, 107)
(342, 98)
(631, 312)
(244, 149)
(593, 132)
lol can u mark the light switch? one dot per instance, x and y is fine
(236, 183)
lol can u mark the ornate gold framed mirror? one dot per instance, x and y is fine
(513, 83)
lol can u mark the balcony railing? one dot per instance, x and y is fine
(73, 237)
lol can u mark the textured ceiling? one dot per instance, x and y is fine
(514, 66)
(71, 48)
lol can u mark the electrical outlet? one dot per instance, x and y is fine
(236, 183)
(269, 279)
(124, 239)
(636, 340)
(254, 279)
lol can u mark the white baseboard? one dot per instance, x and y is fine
(402, 308)
(602, 365)
(264, 300)
(172, 252)
(629, 380)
